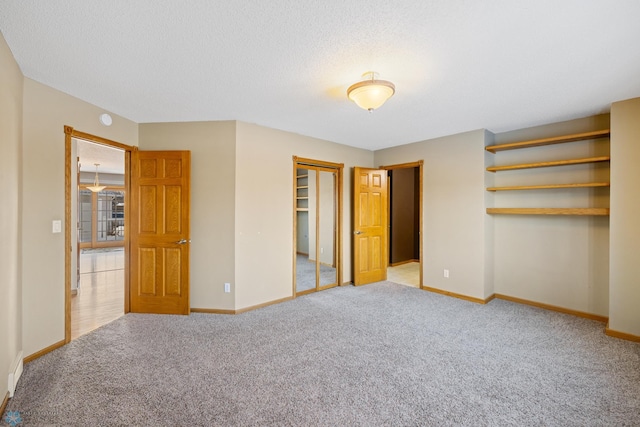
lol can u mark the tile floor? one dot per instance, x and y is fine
(405, 274)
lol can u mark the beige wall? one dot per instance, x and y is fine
(213, 176)
(264, 207)
(561, 261)
(624, 302)
(555, 260)
(46, 111)
(10, 215)
(453, 209)
(242, 201)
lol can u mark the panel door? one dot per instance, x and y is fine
(370, 225)
(159, 261)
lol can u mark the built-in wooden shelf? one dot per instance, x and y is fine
(550, 141)
(548, 187)
(302, 190)
(549, 211)
(548, 164)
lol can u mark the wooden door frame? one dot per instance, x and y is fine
(420, 165)
(338, 169)
(70, 133)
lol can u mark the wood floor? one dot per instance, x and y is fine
(100, 297)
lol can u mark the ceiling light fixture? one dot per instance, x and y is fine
(96, 187)
(370, 94)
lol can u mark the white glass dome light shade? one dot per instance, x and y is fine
(96, 187)
(371, 94)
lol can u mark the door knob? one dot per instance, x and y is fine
(357, 232)
(183, 241)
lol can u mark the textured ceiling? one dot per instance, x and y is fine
(109, 159)
(286, 64)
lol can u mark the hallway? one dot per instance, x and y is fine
(100, 297)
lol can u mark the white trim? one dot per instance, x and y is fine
(14, 375)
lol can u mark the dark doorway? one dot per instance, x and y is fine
(404, 209)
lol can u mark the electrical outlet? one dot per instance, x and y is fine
(227, 287)
(446, 273)
(321, 250)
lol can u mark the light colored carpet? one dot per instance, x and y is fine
(380, 354)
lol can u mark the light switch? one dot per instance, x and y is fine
(56, 226)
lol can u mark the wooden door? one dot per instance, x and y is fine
(370, 225)
(159, 260)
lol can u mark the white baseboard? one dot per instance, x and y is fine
(14, 375)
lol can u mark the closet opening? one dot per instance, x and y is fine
(317, 219)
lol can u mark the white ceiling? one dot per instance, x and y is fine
(110, 160)
(458, 65)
